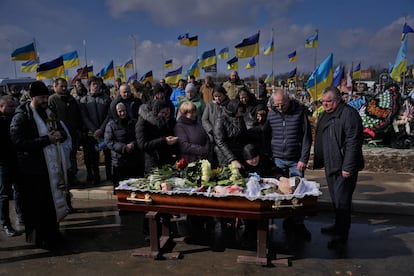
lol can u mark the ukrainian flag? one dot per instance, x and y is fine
(168, 63)
(208, 58)
(129, 64)
(193, 41)
(233, 63)
(292, 56)
(292, 75)
(400, 65)
(24, 53)
(312, 41)
(147, 77)
(251, 64)
(269, 78)
(50, 69)
(173, 77)
(29, 66)
(183, 39)
(269, 47)
(71, 59)
(338, 75)
(107, 72)
(320, 78)
(356, 74)
(249, 47)
(90, 71)
(406, 29)
(224, 53)
(193, 69)
(121, 72)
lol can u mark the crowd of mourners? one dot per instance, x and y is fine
(136, 128)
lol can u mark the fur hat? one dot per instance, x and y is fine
(38, 88)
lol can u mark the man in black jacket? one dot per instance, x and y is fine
(338, 147)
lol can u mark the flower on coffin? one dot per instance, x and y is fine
(181, 164)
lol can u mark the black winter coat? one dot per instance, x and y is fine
(341, 141)
(119, 133)
(192, 139)
(150, 133)
(29, 145)
(230, 135)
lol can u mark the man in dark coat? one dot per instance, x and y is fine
(338, 148)
(43, 147)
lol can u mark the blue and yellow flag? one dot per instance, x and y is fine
(183, 39)
(107, 72)
(71, 59)
(186, 40)
(193, 41)
(406, 29)
(173, 77)
(356, 73)
(233, 63)
(251, 64)
(400, 64)
(129, 64)
(51, 69)
(224, 53)
(168, 63)
(24, 53)
(207, 58)
(194, 70)
(249, 47)
(269, 47)
(29, 66)
(320, 78)
(292, 56)
(269, 78)
(338, 75)
(121, 72)
(312, 41)
(147, 77)
(132, 77)
(292, 74)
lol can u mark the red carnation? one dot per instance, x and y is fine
(181, 164)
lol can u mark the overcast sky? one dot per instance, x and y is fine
(365, 31)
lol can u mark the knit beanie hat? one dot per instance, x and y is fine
(38, 88)
(190, 87)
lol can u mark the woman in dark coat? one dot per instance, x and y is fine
(230, 134)
(192, 139)
(127, 160)
(154, 133)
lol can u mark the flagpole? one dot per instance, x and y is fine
(135, 53)
(314, 66)
(86, 59)
(273, 80)
(14, 62)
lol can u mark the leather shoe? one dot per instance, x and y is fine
(329, 230)
(9, 231)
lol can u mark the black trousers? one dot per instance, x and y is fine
(341, 190)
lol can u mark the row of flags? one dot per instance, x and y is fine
(248, 47)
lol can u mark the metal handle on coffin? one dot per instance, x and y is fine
(133, 197)
(295, 203)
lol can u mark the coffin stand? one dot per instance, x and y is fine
(160, 207)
